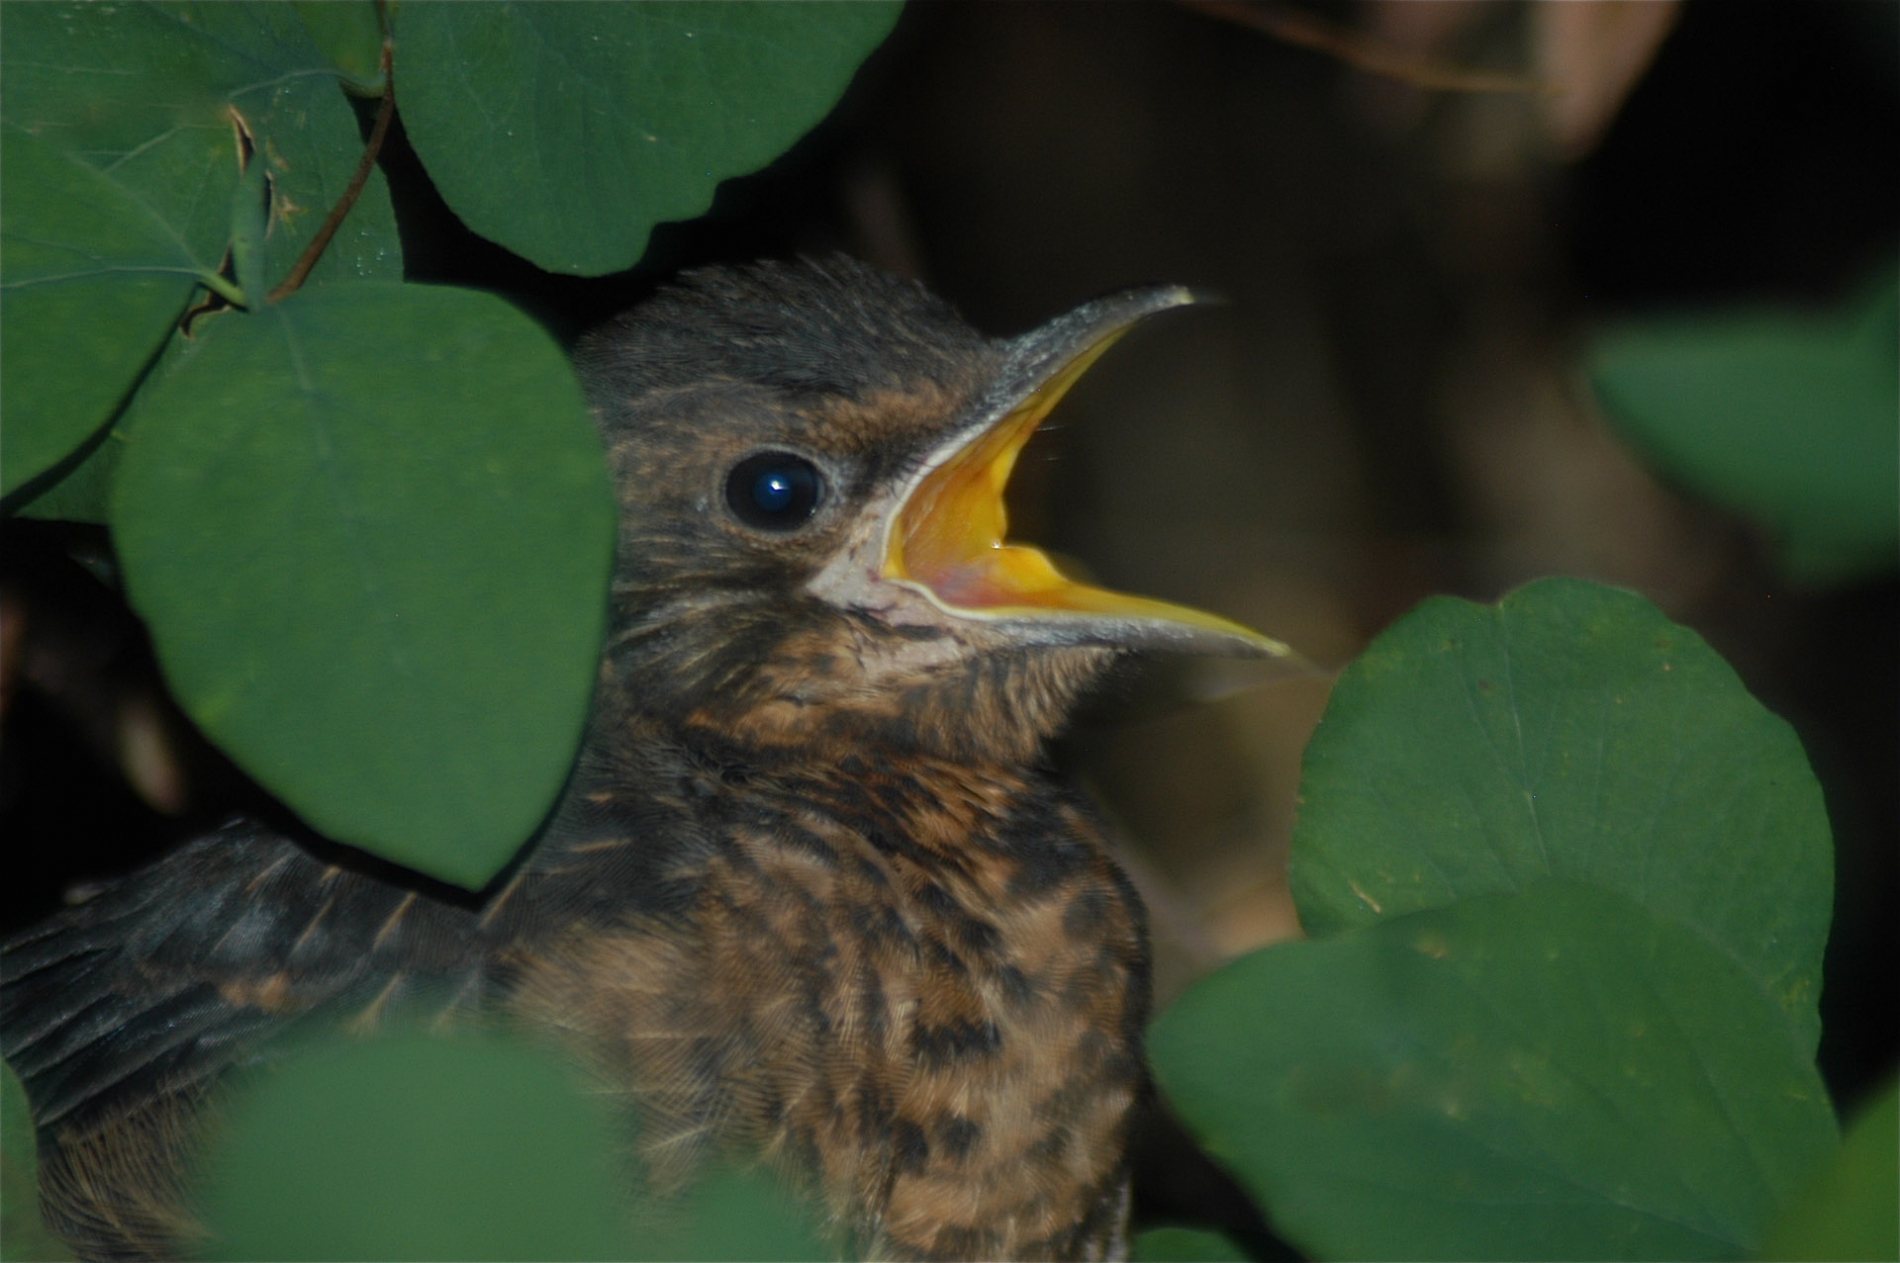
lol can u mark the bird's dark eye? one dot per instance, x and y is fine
(774, 491)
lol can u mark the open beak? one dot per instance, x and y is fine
(949, 537)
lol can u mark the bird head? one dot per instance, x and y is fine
(811, 460)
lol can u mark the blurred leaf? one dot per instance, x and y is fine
(22, 1235)
(370, 529)
(567, 131)
(417, 1147)
(1784, 416)
(120, 159)
(1186, 1245)
(736, 1215)
(1569, 731)
(1850, 1209)
(1556, 1073)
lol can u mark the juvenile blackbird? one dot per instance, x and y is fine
(810, 895)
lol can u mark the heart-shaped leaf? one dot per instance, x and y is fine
(370, 529)
(1569, 885)
(567, 131)
(1558, 1073)
(1568, 731)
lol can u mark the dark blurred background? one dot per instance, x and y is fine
(1388, 405)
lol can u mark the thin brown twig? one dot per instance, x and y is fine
(1294, 26)
(334, 220)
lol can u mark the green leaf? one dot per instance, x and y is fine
(78, 493)
(98, 262)
(1556, 1073)
(93, 283)
(351, 37)
(735, 1215)
(80, 488)
(22, 1235)
(1572, 884)
(1848, 1210)
(412, 1147)
(415, 1148)
(370, 529)
(147, 94)
(1571, 731)
(567, 131)
(1785, 416)
(1186, 1245)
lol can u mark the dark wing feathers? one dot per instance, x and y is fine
(166, 978)
(176, 972)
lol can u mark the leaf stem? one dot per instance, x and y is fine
(250, 216)
(223, 287)
(334, 220)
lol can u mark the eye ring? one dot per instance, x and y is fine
(774, 491)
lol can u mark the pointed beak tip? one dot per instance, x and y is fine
(1234, 640)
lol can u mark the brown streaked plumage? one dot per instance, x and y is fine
(809, 897)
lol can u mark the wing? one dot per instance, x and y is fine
(156, 985)
(121, 1013)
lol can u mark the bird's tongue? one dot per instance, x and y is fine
(949, 535)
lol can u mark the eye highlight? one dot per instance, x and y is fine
(774, 491)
